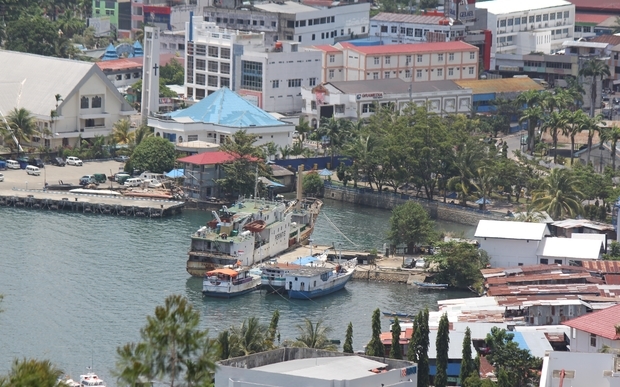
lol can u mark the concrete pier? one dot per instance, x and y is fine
(88, 203)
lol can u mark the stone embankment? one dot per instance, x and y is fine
(365, 273)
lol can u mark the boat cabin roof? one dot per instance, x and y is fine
(226, 271)
(307, 271)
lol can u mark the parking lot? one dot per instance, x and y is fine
(18, 178)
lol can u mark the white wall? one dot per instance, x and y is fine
(390, 37)
(510, 252)
(588, 370)
(348, 19)
(580, 342)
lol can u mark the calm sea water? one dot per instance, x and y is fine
(78, 286)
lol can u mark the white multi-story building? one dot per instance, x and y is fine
(270, 77)
(294, 21)
(409, 62)
(393, 28)
(526, 26)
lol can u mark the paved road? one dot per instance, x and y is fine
(514, 142)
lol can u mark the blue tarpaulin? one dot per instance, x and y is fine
(325, 172)
(176, 173)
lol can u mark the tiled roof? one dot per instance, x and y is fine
(226, 108)
(407, 18)
(611, 6)
(601, 323)
(590, 18)
(610, 39)
(207, 158)
(327, 48)
(119, 64)
(410, 48)
(501, 85)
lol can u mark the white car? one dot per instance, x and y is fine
(72, 160)
(152, 183)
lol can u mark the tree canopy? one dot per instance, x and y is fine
(458, 264)
(153, 154)
(410, 225)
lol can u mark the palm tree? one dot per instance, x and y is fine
(466, 160)
(594, 68)
(577, 122)
(611, 134)
(530, 99)
(314, 336)
(303, 128)
(22, 125)
(336, 129)
(141, 133)
(559, 195)
(249, 337)
(31, 372)
(121, 132)
(70, 25)
(555, 124)
(593, 125)
(484, 183)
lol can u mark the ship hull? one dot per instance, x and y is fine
(332, 287)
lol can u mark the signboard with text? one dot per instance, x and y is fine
(375, 95)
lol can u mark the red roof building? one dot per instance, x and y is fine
(593, 331)
(610, 7)
(207, 158)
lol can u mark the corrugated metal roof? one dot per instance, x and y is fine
(581, 43)
(601, 323)
(501, 85)
(597, 5)
(535, 341)
(569, 248)
(511, 230)
(603, 266)
(407, 18)
(411, 48)
(612, 279)
(544, 277)
(226, 108)
(578, 223)
(556, 289)
(325, 368)
(394, 86)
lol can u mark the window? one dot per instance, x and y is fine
(225, 82)
(192, 137)
(225, 53)
(472, 55)
(275, 84)
(502, 23)
(312, 82)
(545, 17)
(339, 109)
(523, 20)
(592, 340)
(450, 71)
(544, 261)
(451, 56)
(136, 75)
(251, 75)
(294, 82)
(440, 57)
(531, 19)
(376, 59)
(440, 72)
(393, 29)
(331, 74)
(332, 58)
(407, 73)
(262, 22)
(290, 24)
(552, 16)
(538, 18)
(384, 28)
(323, 20)
(213, 66)
(368, 108)
(302, 23)
(386, 74)
(225, 68)
(200, 94)
(509, 22)
(586, 29)
(557, 261)
(313, 105)
(559, 15)
(333, 19)
(201, 64)
(407, 60)
(313, 36)
(418, 32)
(409, 31)
(201, 49)
(213, 52)
(119, 77)
(517, 21)
(471, 71)
(566, 14)
(419, 58)
(84, 103)
(375, 75)
(363, 29)
(200, 79)
(96, 103)
(418, 73)
(212, 80)
(128, 76)
(388, 59)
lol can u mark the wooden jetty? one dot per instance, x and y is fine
(89, 203)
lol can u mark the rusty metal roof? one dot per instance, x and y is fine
(557, 289)
(539, 278)
(612, 279)
(501, 85)
(603, 266)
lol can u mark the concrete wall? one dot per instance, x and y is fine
(388, 201)
(510, 252)
(580, 342)
(592, 370)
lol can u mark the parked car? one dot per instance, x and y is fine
(122, 159)
(133, 182)
(12, 164)
(1, 177)
(152, 183)
(409, 263)
(87, 179)
(36, 162)
(72, 160)
(100, 177)
(58, 161)
(120, 177)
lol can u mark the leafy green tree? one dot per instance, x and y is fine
(418, 347)
(396, 350)
(466, 160)
(467, 363)
(273, 329)
(32, 34)
(559, 195)
(613, 252)
(375, 346)
(484, 183)
(172, 73)
(303, 129)
(32, 373)
(336, 130)
(312, 184)
(594, 68)
(141, 133)
(520, 367)
(154, 154)
(224, 345)
(314, 335)
(348, 340)
(70, 25)
(172, 349)
(240, 174)
(442, 345)
(410, 225)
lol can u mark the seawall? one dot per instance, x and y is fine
(388, 200)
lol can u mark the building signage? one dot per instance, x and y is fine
(376, 95)
(508, 68)
(165, 101)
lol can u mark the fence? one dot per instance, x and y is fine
(313, 162)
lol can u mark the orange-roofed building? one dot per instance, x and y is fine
(409, 62)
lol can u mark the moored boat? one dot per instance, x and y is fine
(397, 314)
(428, 285)
(91, 379)
(227, 283)
(273, 276)
(313, 282)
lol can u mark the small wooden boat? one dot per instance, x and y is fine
(428, 285)
(255, 226)
(227, 283)
(62, 186)
(397, 314)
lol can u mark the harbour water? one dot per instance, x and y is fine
(78, 286)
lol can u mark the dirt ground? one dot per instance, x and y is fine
(18, 178)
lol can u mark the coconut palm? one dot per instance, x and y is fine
(593, 125)
(594, 68)
(22, 127)
(611, 134)
(532, 116)
(466, 160)
(559, 195)
(577, 121)
(70, 25)
(337, 130)
(249, 337)
(484, 183)
(141, 133)
(303, 128)
(31, 372)
(121, 132)
(555, 124)
(314, 336)
(530, 99)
